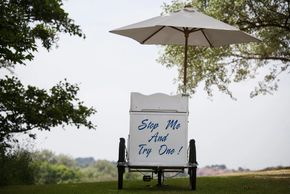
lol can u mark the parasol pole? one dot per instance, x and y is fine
(186, 34)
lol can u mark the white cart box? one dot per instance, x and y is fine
(158, 130)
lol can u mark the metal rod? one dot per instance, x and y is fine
(153, 34)
(206, 38)
(176, 29)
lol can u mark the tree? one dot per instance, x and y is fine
(22, 22)
(220, 67)
(23, 108)
(15, 167)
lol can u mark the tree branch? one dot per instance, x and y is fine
(252, 25)
(284, 59)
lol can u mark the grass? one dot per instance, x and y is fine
(265, 182)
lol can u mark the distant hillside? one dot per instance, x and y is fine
(276, 168)
(217, 169)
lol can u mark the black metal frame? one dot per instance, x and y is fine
(159, 170)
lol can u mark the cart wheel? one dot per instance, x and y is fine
(121, 161)
(192, 160)
(120, 177)
(159, 174)
(192, 178)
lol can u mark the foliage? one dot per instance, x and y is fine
(51, 168)
(20, 166)
(84, 162)
(52, 158)
(16, 167)
(25, 108)
(54, 169)
(101, 170)
(220, 67)
(55, 173)
(134, 176)
(22, 22)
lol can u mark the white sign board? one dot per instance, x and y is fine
(158, 130)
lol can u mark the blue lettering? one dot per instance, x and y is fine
(143, 126)
(144, 150)
(173, 124)
(146, 125)
(158, 138)
(165, 150)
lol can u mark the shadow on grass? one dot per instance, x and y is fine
(172, 186)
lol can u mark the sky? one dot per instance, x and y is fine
(248, 133)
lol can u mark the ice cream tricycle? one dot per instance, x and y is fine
(158, 138)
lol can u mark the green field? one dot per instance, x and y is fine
(267, 182)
